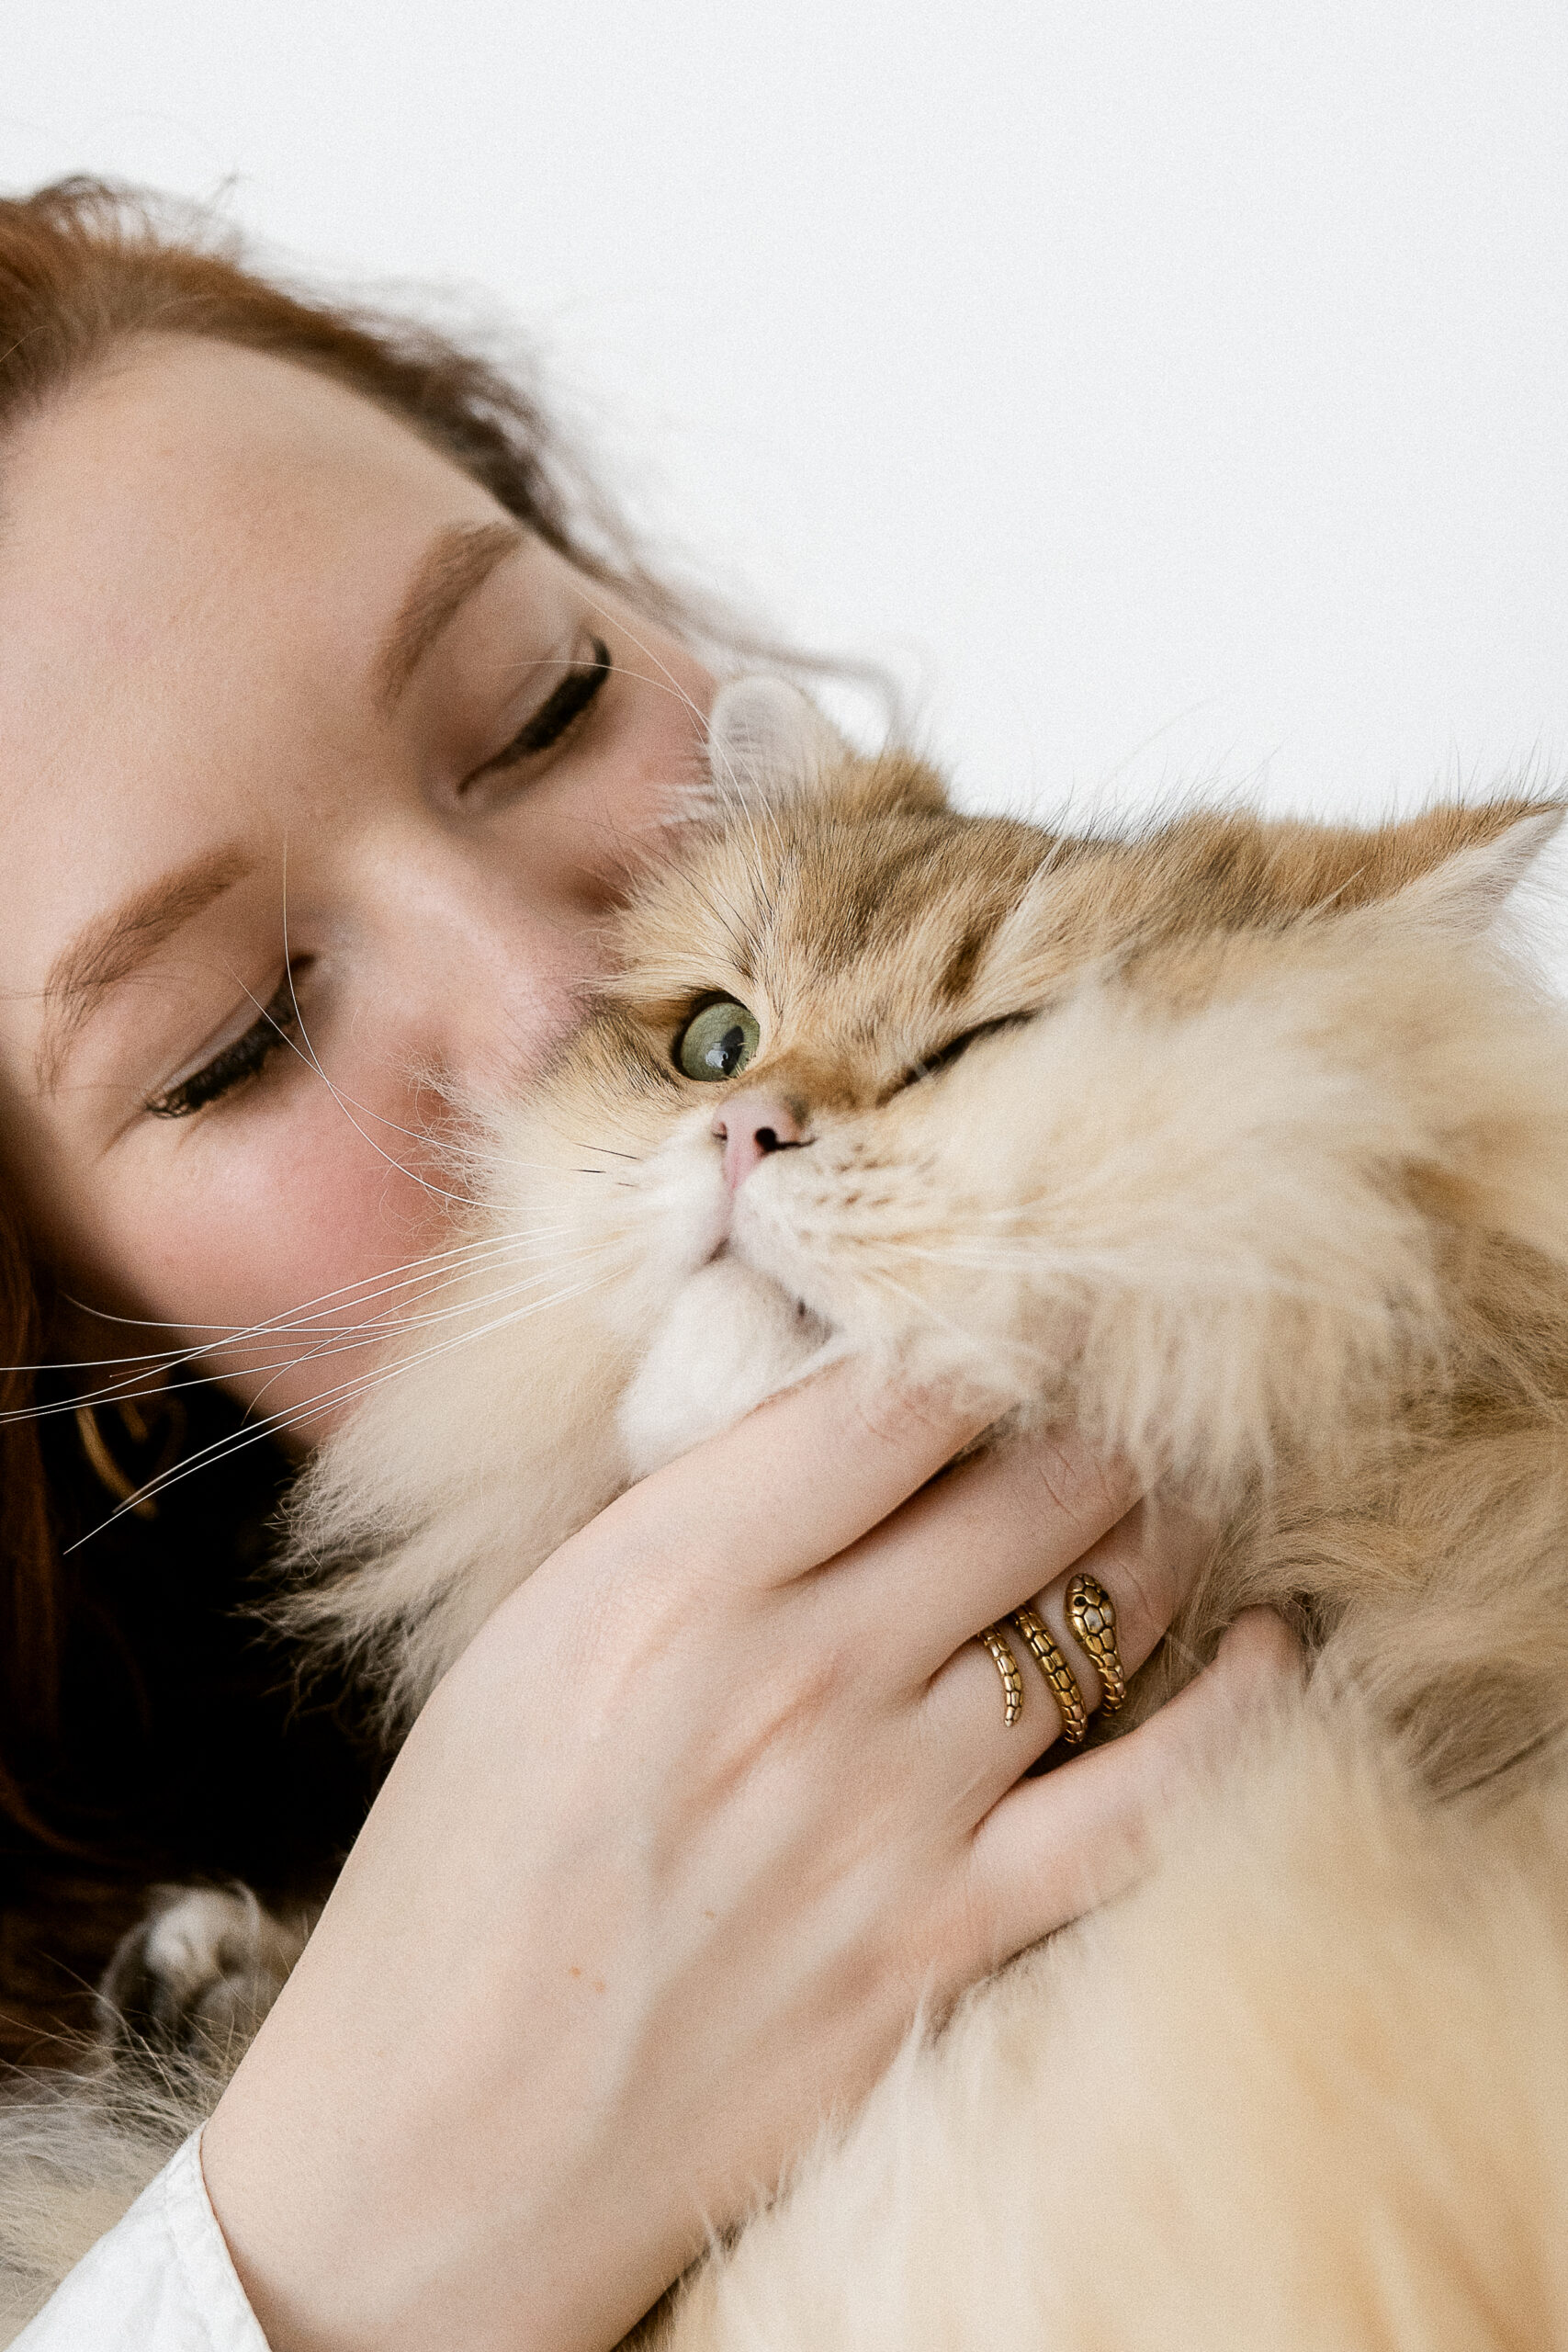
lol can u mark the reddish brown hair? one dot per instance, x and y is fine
(85, 267)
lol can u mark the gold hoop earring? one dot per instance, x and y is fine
(109, 1472)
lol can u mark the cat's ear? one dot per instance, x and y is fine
(1455, 865)
(767, 741)
(768, 744)
(1467, 889)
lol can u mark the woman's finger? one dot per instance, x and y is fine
(1146, 1562)
(1058, 1846)
(977, 1544)
(794, 1483)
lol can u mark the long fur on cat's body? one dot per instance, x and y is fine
(1306, 2090)
(1270, 1191)
(1254, 1166)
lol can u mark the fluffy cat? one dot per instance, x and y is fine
(1243, 1146)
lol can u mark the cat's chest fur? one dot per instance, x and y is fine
(729, 1339)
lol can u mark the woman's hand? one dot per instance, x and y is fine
(671, 1861)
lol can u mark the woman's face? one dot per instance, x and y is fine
(315, 792)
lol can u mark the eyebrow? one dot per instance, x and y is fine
(455, 566)
(112, 947)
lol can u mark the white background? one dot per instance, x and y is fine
(1182, 389)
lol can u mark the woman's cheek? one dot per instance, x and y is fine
(303, 1229)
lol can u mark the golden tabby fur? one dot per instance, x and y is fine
(1271, 1190)
(1254, 1166)
(1245, 1148)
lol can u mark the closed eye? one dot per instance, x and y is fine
(246, 1057)
(955, 1046)
(561, 709)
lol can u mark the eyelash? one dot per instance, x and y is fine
(249, 1053)
(236, 1063)
(561, 709)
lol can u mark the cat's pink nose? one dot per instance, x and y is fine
(749, 1127)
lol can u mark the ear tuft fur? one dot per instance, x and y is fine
(768, 742)
(1470, 889)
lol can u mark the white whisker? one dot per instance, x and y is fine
(346, 1392)
(332, 1346)
(441, 1274)
(312, 1059)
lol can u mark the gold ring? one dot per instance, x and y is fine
(1057, 1673)
(1007, 1667)
(1092, 1613)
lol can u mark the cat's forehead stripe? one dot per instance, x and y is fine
(964, 960)
(928, 930)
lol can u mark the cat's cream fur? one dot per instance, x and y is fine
(1254, 1169)
(1306, 2091)
(1269, 1193)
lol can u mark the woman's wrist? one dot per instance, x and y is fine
(387, 2175)
(337, 2246)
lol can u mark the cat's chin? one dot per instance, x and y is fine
(730, 1339)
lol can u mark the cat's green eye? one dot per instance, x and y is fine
(719, 1041)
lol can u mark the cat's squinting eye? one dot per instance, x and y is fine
(955, 1048)
(719, 1041)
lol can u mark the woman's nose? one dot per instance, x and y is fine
(749, 1127)
(481, 963)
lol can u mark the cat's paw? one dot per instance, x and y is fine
(190, 1984)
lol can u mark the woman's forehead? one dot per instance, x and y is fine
(166, 503)
(201, 552)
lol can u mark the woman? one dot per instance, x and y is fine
(329, 727)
